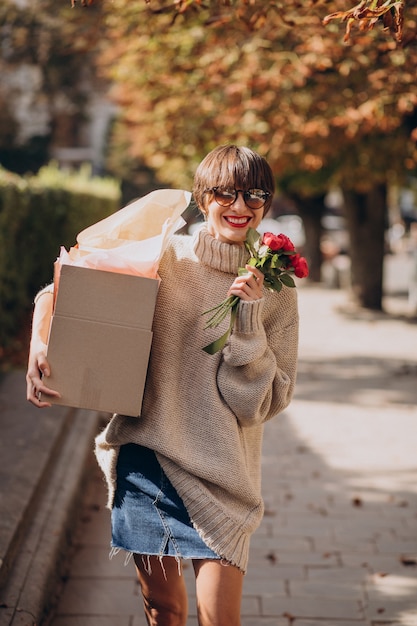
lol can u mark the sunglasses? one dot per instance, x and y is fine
(254, 198)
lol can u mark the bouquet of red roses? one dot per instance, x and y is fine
(276, 258)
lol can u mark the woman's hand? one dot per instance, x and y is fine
(38, 367)
(248, 286)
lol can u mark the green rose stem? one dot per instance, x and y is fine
(230, 304)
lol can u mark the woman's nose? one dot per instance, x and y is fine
(239, 203)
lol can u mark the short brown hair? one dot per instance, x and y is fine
(233, 166)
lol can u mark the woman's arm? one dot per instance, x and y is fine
(37, 364)
(256, 376)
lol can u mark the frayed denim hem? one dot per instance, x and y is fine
(146, 560)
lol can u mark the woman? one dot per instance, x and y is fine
(184, 478)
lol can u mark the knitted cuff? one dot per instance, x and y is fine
(248, 318)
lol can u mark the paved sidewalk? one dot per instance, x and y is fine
(338, 543)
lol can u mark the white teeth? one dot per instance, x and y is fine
(237, 220)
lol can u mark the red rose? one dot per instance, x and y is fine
(277, 242)
(300, 266)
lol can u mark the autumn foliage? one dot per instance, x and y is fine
(191, 75)
(325, 90)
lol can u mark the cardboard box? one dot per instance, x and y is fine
(100, 339)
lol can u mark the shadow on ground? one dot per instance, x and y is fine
(362, 379)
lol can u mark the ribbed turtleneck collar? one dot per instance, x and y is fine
(218, 255)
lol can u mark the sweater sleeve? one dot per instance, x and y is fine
(256, 376)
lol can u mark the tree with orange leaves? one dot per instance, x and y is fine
(323, 113)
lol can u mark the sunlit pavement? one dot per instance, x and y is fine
(338, 543)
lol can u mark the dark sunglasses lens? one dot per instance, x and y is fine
(224, 197)
(255, 198)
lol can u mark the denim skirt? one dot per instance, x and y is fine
(148, 516)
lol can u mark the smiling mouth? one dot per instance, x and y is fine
(237, 221)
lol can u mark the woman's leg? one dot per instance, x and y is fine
(219, 593)
(163, 589)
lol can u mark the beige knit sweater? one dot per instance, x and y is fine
(204, 414)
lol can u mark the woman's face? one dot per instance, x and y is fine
(230, 224)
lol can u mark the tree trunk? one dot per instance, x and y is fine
(311, 212)
(366, 218)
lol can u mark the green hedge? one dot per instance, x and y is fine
(38, 214)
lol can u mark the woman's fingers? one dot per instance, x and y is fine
(248, 286)
(37, 393)
(256, 273)
(35, 388)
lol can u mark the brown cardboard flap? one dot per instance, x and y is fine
(100, 339)
(106, 296)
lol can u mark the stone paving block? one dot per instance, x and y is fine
(262, 621)
(257, 586)
(83, 620)
(312, 510)
(405, 612)
(386, 565)
(274, 506)
(91, 596)
(345, 575)
(251, 605)
(307, 526)
(393, 587)
(411, 520)
(94, 562)
(360, 510)
(344, 545)
(188, 571)
(140, 620)
(246, 621)
(311, 498)
(321, 622)
(381, 564)
(273, 467)
(365, 531)
(399, 515)
(265, 529)
(6, 614)
(263, 569)
(313, 607)
(374, 562)
(94, 528)
(283, 557)
(328, 589)
(385, 546)
(292, 473)
(280, 542)
(406, 534)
